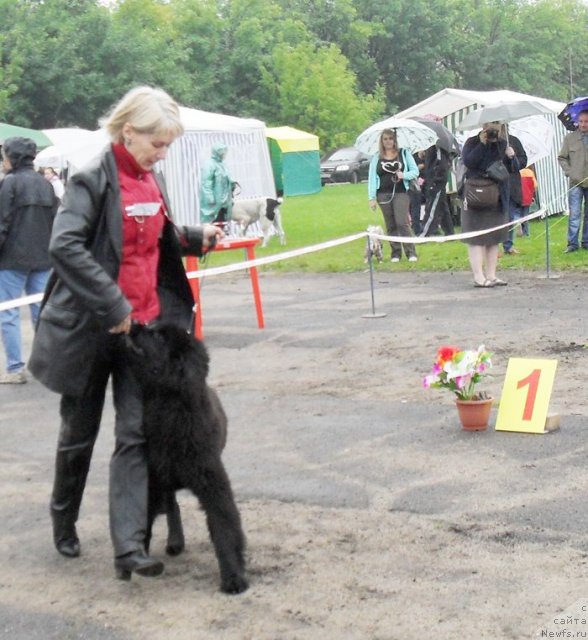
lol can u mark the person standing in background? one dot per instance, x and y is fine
(528, 191)
(27, 208)
(514, 198)
(391, 170)
(53, 178)
(216, 188)
(573, 159)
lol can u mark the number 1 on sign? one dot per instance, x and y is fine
(532, 381)
(525, 395)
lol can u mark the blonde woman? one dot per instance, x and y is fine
(116, 255)
(391, 171)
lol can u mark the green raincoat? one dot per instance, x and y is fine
(216, 187)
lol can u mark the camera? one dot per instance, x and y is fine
(492, 135)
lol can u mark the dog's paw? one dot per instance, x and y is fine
(174, 548)
(234, 585)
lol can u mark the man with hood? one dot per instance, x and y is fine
(216, 188)
(27, 208)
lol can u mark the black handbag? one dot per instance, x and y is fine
(481, 193)
(497, 171)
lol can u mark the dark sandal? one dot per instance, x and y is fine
(487, 284)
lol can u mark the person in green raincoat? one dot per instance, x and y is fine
(216, 188)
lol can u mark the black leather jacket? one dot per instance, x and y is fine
(27, 208)
(83, 300)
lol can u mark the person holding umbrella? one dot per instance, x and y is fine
(573, 159)
(479, 152)
(390, 173)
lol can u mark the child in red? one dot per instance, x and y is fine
(528, 187)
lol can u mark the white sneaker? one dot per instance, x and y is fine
(412, 259)
(395, 260)
(19, 377)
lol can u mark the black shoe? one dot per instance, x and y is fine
(65, 537)
(570, 249)
(69, 547)
(137, 562)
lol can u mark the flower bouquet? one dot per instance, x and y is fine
(460, 371)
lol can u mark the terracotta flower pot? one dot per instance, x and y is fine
(474, 414)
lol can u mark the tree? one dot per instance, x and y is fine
(318, 93)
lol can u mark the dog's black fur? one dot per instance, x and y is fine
(185, 427)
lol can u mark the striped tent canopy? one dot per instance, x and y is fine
(452, 105)
(247, 160)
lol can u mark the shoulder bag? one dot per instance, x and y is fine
(497, 171)
(481, 193)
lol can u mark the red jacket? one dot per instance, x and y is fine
(528, 186)
(137, 276)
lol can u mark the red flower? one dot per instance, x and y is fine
(445, 354)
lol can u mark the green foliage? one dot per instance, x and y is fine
(317, 91)
(328, 66)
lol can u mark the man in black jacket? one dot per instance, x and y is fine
(437, 214)
(27, 208)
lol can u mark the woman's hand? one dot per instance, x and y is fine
(210, 235)
(483, 137)
(373, 205)
(400, 175)
(509, 152)
(122, 327)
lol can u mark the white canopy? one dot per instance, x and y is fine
(247, 160)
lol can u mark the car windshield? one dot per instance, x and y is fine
(343, 155)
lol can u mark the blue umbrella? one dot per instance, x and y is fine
(570, 113)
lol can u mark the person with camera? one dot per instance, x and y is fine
(480, 152)
(390, 173)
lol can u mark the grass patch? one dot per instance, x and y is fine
(342, 210)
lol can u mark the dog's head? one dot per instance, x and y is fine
(271, 207)
(166, 357)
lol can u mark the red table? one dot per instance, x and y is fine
(227, 244)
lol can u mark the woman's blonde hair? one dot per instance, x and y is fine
(387, 132)
(147, 110)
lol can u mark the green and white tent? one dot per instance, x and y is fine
(295, 160)
(453, 104)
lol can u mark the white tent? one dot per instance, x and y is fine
(247, 160)
(453, 104)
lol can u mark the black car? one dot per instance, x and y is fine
(344, 165)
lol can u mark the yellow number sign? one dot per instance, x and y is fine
(525, 395)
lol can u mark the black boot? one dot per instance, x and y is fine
(65, 536)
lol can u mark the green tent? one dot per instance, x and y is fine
(12, 131)
(295, 160)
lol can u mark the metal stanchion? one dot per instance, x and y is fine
(369, 254)
(548, 275)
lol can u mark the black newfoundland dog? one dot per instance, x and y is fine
(186, 427)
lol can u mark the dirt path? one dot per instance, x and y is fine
(369, 513)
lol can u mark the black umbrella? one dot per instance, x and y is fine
(446, 140)
(570, 113)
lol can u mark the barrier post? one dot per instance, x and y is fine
(369, 254)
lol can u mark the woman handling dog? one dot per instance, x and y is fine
(391, 171)
(479, 152)
(116, 255)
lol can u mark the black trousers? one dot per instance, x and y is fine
(80, 423)
(437, 214)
